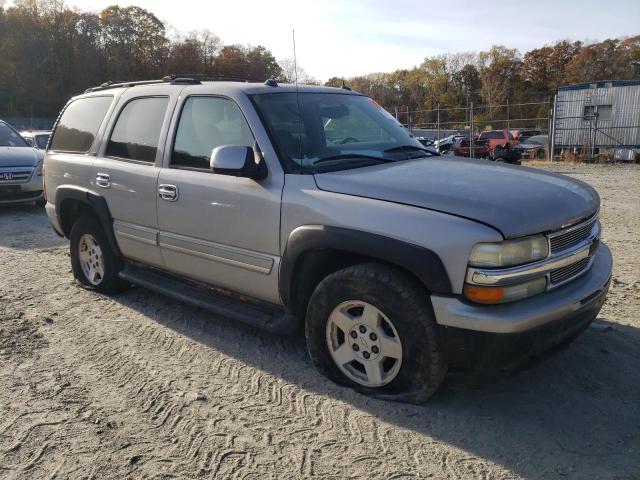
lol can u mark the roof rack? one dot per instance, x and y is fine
(219, 78)
(173, 79)
(170, 79)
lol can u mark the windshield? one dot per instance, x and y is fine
(41, 141)
(334, 130)
(10, 138)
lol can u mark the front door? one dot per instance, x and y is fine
(126, 175)
(219, 229)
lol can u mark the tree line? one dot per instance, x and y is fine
(491, 79)
(51, 52)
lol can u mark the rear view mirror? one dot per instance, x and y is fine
(238, 161)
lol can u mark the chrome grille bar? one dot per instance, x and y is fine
(569, 237)
(565, 274)
(14, 176)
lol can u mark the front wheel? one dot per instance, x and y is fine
(94, 263)
(372, 328)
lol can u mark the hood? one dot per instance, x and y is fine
(19, 156)
(515, 200)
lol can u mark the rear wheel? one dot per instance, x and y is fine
(372, 328)
(94, 263)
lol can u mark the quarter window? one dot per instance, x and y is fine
(137, 131)
(79, 124)
(207, 123)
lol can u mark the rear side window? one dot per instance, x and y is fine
(79, 124)
(207, 123)
(137, 130)
(492, 135)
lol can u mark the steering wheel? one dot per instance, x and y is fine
(348, 140)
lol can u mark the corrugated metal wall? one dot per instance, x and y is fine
(572, 129)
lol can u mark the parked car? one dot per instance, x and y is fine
(522, 135)
(20, 169)
(36, 138)
(397, 263)
(501, 145)
(427, 142)
(444, 144)
(533, 147)
(462, 148)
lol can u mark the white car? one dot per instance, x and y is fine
(36, 138)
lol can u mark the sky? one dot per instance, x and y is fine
(354, 37)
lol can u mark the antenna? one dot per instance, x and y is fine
(295, 68)
(295, 59)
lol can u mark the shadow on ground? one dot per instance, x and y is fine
(578, 410)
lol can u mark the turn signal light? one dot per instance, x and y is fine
(507, 293)
(484, 294)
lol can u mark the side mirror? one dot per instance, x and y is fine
(29, 141)
(238, 161)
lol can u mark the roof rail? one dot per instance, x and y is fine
(170, 79)
(203, 77)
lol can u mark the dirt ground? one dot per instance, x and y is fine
(140, 386)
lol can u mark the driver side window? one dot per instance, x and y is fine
(206, 123)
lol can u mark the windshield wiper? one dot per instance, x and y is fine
(352, 156)
(408, 148)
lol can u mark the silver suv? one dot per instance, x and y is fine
(312, 208)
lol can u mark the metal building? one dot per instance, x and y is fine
(595, 116)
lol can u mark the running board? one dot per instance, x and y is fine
(255, 313)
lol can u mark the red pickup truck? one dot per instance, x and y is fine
(501, 144)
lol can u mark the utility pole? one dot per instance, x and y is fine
(508, 122)
(552, 128)
(594, 127)
(471, 130)
(438, 110)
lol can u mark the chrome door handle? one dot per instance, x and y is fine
(168, 192)
(103, 180)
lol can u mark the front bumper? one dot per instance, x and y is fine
(477, 334)
(23, 192)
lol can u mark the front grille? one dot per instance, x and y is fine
(20, 176)
(572, 236)
(563, 274)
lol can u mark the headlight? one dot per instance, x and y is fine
(509, 253)
(39, 167)
(509, 293)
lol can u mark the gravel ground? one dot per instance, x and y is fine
(140, 386)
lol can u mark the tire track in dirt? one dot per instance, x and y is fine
(131, 368)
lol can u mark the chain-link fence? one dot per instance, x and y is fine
(471, 120)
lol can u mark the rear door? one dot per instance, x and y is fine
(220, 229)
(126, 170)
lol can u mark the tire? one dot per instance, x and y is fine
(405, 315)
(88, 236)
